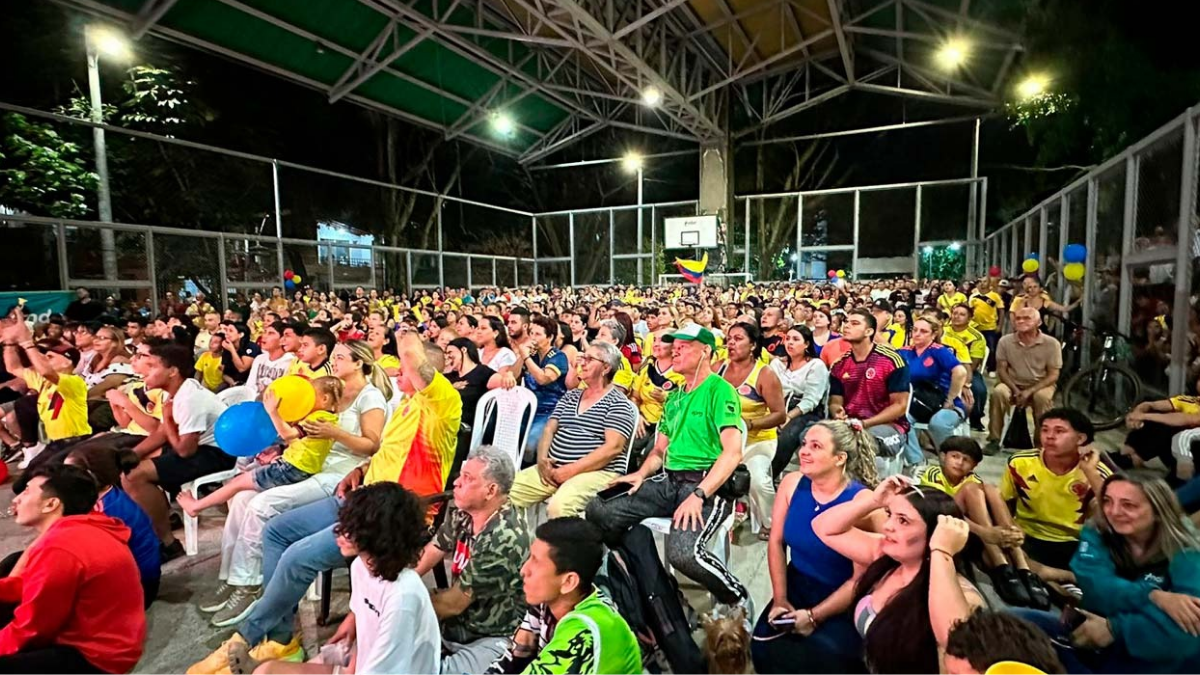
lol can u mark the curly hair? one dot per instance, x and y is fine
(387, 523)
(987, 637)
(859, 446)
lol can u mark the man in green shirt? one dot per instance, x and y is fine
(569, 627)
(699, 444)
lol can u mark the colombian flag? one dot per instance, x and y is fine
(692, 270)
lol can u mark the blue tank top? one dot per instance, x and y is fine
(806, 552)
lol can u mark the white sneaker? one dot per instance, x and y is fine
(30, 452)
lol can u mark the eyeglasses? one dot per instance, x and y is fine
(588, 358)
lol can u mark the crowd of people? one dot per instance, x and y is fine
(835, 419)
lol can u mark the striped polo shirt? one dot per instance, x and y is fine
(579, 434)
(866, 386)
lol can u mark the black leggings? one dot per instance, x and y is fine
(52, 659)
(791, 435)
(1154, 440)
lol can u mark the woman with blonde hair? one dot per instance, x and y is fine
(111, 366)
(1138, 564)
(806, 628)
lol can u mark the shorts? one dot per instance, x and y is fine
(277, 474)
(174, 471)
(1051, 553)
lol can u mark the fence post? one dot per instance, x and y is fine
(533, 225)
(1183, 257)
(278, 221)
(857, 214)
(1089, 238)
(655, 270)
(1064, 227)
(221, 269)
(408, 272)
(441, 258)
(468, 273)
(612, 270)
(151, 273)
(493, 272)
(1125, 301)
(1044, 233)
(917, 235)
(799, 237)
(746, 250)
(571, 242)
(63, 273)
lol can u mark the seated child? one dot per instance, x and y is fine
(990, 520)
(210, 372)
(302, 457)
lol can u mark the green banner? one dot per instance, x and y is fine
(38, 304)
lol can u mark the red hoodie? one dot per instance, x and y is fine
(80, 589)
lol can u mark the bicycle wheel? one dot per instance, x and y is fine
(1105, 392)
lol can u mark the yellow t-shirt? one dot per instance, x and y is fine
(298, 367)
(306, 453)
(1050, 507)
(149, 401)
(899, 337)
(212, 373)
(934, 477)
(650, 380)
(959, 349)
(986, 308)
(1188, 405)
(970, 338)
(388, 362)
(62, 407)
(417, 447)
(947, 302)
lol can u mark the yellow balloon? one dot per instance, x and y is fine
(296, 397)
(1030, 266)
(841, 274)
(297, 279)
(1074, 271)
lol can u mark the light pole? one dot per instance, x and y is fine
(99, 39)
(633, 162)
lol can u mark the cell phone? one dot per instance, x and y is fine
(1071, 618)
(614, 491)
(783, 621)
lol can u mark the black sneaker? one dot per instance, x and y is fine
(1039, 595)
(992, 448)
(176, 521)
(169, 553)
(1009, 586)
(977, 426)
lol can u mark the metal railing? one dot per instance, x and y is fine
(1136, 214)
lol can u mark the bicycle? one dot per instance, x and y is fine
(1106, 389)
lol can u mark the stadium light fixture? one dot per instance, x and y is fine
(953, 53)
(503, 124)
(651, 96)
(109, 42)
(928, 250)
(955, 246)
(632, 162)
(1032, 86)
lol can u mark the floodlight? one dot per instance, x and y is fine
(503, 124)
(953, 53)
(651, 96)
(955, 246)
(927, 250)
(632, 162)
(1032, 86)
(109, 42)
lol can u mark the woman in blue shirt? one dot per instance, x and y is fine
(937, 379)
(806, 628)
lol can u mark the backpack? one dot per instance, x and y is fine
(649, 600)
(1016, 434)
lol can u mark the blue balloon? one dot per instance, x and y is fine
(1032, 256)
(289, 284)
(1075, 253)
(245, 429)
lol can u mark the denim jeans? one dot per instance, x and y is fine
(941, 426)
(531, 442)
(1189, 495)
(297, 546)
(980, 392)
(1111, 659)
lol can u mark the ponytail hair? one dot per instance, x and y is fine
(858, 445)
(362, 352)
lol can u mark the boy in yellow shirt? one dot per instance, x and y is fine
(303, 456)
(210, 371)
(62, 395)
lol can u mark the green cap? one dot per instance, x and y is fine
(692, 331)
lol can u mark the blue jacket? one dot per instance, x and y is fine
(1139, 627)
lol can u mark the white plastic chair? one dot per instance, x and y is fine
(191, 524)
(513, 411)
(235, 395)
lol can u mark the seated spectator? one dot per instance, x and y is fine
(1163, 429)
(763, 413)
(937, 380)
(898, 610)
(1027, 363)
(492, 339)
(210, 370)
(542, 369)
(805, 381)
(362, 413)
(998, 642)
(612, 332)
(654, 381)
(962, 330)
(312, 356)
(821, 332)
(110, 367)
(302, 457)
(950, 297)
(416, 450)
(1049, 490)
(982, 506)
(383, 345)
(107, 465)
(570, 627)
(1139, 569)
(238, 352)
(182, 448)
(471, 379)
(585, 443)
(209, 322)
(488, 541)
(870, 383)
(391, 627)
(700, 445)
(79, 606)
(807, 627)
(82, 335)
(270, 365)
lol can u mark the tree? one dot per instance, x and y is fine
(41, 172)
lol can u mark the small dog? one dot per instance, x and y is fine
(726, 643)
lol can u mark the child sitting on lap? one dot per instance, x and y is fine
(302, 457)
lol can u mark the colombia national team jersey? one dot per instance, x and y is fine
(866, 386)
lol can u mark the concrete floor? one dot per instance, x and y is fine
(179, 634)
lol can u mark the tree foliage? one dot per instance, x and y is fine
(41, 172)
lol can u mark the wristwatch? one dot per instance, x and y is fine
(699, 492)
